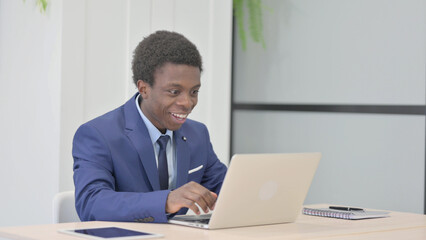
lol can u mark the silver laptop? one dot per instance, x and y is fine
(259, 189)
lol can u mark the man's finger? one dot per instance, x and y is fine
(214, 195)
(209, 198)
(191, 195)
(198, 199)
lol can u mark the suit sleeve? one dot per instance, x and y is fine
(96, 198)
(215, 171)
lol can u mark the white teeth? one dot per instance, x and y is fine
(180, 115)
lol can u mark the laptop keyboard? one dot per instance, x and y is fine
(204, 221)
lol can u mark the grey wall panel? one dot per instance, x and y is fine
(369, 160)
(336, 52)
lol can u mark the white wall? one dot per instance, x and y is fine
(66, 67)
(30, 78)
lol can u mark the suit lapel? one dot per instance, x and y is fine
(139, 136)
(183, 158)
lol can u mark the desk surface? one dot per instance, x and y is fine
(398, 226)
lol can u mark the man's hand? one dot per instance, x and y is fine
(188, 195)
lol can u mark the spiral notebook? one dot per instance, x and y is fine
(350, 215)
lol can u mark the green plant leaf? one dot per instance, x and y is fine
(42, 5)
(255, 21)
(239, 17)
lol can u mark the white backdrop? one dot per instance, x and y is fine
(72, 64)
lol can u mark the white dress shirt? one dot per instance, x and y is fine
(155, 134)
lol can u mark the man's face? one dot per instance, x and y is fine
(172, 97)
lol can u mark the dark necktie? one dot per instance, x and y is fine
(163, 170)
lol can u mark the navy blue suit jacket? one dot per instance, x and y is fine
(115, 171)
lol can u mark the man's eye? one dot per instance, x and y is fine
(174, 92)
(195, 92)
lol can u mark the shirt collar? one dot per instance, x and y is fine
(154, 133)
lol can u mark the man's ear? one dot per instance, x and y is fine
(143, 88)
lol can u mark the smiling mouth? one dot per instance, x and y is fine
(180, 116)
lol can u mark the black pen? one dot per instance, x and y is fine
(346, 208)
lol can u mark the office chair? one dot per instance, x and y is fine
(64, 208)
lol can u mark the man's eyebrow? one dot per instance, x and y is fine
(179, 86)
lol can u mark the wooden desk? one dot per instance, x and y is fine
(398, 226)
